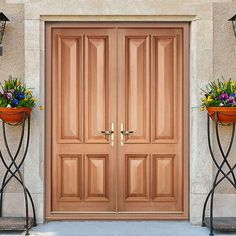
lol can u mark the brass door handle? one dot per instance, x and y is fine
(123, 133)
(126, 132)
(107, 132)
(111, 133)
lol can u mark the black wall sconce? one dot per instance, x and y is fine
(233, 19)
(3, 20)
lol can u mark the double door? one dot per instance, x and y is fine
(117, 121)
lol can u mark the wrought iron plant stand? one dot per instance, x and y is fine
(13, 170)
(219, 223)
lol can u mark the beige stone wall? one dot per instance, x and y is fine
(198, 12)
(225, 65)
(12, 63)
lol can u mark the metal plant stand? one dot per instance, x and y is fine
(219, 223)
(13, 171)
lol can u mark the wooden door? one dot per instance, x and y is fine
(130, 79)
(150, 74)
(84, 105)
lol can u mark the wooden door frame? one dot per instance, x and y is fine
(49, 215)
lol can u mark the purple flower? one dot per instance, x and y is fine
(15, 102)
(223, 96)
(9, 96)
(231, 100)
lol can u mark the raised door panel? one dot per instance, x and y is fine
(137, 177)
(137, 88)
(97, 177)
(70, 89)
(165, 178)
(96, 88)
(69, 177)
(165, 89)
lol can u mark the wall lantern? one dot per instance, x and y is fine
(3, 20)
(233, 19)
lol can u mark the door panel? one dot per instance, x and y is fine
(136, 170)
(70, 178)
(136, 87)
(151, 76)
(97, 177)
(69, 87)
(165, 84)
(96, 88)
(164, 168)
(84, 105)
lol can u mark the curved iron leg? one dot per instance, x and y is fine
(13, 174)
(209, 194)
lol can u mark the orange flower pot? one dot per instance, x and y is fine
(14, 115)
(226, 115)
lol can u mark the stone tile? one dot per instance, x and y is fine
(32, 68)
(32, 34)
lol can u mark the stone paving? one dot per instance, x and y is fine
(119, 228)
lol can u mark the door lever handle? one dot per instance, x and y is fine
(107, 132)
(126, 132)
(111, 133)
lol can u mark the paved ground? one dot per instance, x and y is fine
(119, 228)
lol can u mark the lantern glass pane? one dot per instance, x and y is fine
(2, 27)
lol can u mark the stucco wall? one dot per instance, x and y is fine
(198, 12)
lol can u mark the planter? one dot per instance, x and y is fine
(14, 115)
(226, 115)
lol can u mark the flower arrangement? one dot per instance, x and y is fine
(15, 94)
(219, 93)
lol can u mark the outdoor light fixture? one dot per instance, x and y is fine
(3, 20)
(233, 19)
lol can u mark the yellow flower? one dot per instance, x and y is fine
(209, 99)
(34, 99)
(219, 90)
(18, 83)
(202, 109)
(233, 83)
(27, 91)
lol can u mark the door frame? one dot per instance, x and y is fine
(50, 215)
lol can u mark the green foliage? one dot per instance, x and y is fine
(15, 94)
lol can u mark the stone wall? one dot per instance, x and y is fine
(224, 51)
(206, 60)
(12, 63)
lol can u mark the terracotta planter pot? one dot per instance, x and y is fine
(226, 115)
(14, 115)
